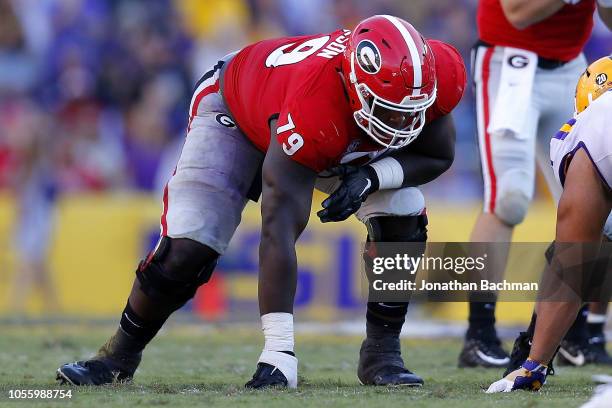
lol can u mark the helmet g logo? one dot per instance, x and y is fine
(368, 57)
(601, 79)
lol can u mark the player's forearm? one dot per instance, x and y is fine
(523, 13)
(415, 169)
(554, 320)
(424, 160)
(278, 262)
(575, 224)
(277, 278)
(285, 207)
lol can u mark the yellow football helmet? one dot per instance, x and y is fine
(596, 80)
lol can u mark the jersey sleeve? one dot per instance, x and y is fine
(451, 79)
(588, 131)
(309, 135)
(593, 129)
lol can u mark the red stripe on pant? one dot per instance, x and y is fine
(164, 222)
(198, 98)
(194, 110)
(486, 71)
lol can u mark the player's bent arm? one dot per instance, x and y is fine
(523, 13)
(604, 9)
(585, 203)
(285, 209)
(430, 155)
(583, 209)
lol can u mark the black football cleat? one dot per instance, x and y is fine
(572, 353)
(108, 366)
(381, 363)
(483, 353)
(597, 353)
(267, 376)
(92, 372)
(520, 352)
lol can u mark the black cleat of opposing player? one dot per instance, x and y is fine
(597, 353)
(92, 372)
(267, 376)
(381, 363)
(520, 352)
(483, 353)
(579, 353)
(573, 353)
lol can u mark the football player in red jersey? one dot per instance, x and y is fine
(272, 118)
(528, 57)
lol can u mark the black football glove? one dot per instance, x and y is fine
(357, 184)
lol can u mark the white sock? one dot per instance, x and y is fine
(278, 333)
(596, 318)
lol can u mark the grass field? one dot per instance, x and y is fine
(194, 367)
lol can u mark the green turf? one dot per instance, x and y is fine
(188, 367)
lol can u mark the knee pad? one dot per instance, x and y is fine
(513, 198)
(401, 202)
(392, 229)
(397, 228)
(176, 269)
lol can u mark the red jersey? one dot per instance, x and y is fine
(298, 81)
(561, 36)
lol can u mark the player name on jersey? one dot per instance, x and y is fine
(335, 47)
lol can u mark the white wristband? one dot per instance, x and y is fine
(605, 3)
(571, 1)
(390, 173)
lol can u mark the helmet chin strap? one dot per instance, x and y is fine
(352, 75)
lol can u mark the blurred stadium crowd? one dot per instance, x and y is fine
(94, 93)
(94, 97)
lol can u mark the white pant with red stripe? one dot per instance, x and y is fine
(508, 162)
(205, 197)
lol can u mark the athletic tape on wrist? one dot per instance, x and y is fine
(390, 173)
(278, 331)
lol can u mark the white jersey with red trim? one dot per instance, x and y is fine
(591, 131)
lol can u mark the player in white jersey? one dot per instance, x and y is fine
(581, 156)
(590, 131)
